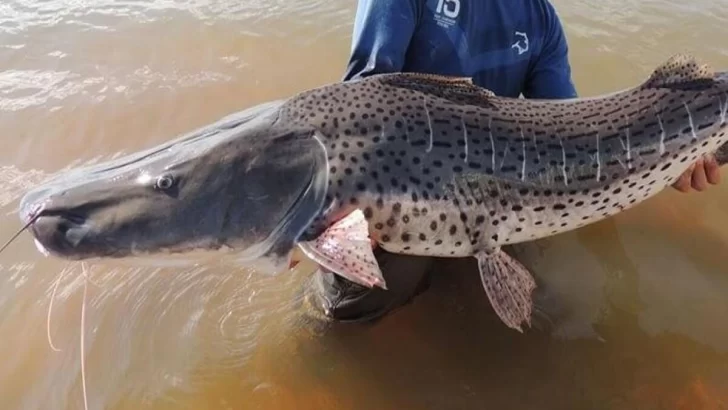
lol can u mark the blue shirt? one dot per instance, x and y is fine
(511, 47)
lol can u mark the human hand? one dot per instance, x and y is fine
(704, 171)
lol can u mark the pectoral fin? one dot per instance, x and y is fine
(509, 286)
(345, 249)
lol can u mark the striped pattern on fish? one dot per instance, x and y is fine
(441, 167)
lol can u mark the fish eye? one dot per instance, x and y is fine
(164, 182)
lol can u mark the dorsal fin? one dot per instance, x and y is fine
(460, 90)
(680, 69)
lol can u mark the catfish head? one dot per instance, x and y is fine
(248, 182)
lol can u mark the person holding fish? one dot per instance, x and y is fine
(512, 47)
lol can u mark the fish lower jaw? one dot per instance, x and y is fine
(62, 254)
(41, 248)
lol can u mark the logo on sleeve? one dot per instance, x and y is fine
(447, 12)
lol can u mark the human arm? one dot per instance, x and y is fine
(550, 73)
(381, 36)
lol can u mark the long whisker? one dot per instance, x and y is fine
(18, 233)
(50, 308)
(83, 326)
(35, 215)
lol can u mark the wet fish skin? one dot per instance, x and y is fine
(421, 164)
(501, 171)
(440, 167)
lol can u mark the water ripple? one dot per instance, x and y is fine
(17, 16)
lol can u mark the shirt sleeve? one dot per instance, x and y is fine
(382, 33)
(550, 76)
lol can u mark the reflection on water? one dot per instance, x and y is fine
(630, 310)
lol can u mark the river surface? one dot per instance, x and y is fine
(632, 311)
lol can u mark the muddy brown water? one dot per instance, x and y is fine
(632, 310)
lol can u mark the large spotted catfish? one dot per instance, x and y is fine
(419, 164)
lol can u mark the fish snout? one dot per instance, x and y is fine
(32, 203)
(58, 232)
(41, 200)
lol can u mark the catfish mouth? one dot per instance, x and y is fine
(60, 232)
